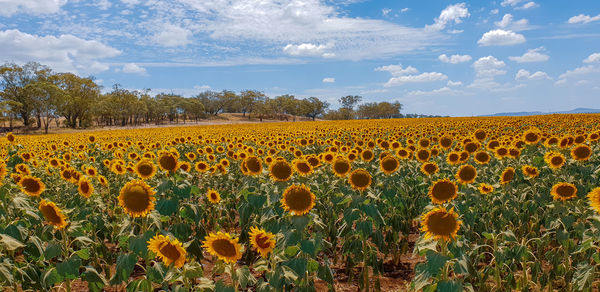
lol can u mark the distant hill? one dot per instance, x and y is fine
(516, 114)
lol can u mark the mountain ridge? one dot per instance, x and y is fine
(579, 110)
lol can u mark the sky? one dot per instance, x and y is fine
(435, 57)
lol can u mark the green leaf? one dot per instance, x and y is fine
(298, 266)
(52, 250)
(51, 277)
(156, 273)
(96, 281)
(83, 253)
(124, 268)
(9, 242)
(308, 247)
(583, 276)
(291, 251)
(139, 244)
(435, 262)
(244, 277)
(221, 287)
(70, 268)
(256, 201)
(300, 222)
(324, 273)
(166, 207)
(449, 286)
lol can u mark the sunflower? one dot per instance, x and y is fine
(280, 170)
(423, 155)
(11, 137)
(389, 164)
(466, 174)
(453, 158)
(440, 224)
(429, 168)
(341, 166)
(185, 166)
(530, 171)
(485, 188)
(302, 167)
(137, 198)
(169, 251)
(563, 191)
(213, 196)
(117, 168)
(31, 185)
(53, 214)
(298, 199)
(367, 155)
(482, 157)
(201, 166)
(442, 191)
(360, 179)
(594, 197)
(167, 161)
(102, 180)
(581, 152)
(85, 187)
(507, 175)
(555, 160)
(145, 169)
(3, 171)
(262, 241)
(253, 165)
(532, 136)
(91, 171)
(223, 246)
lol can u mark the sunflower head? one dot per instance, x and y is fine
(507, 175)
(563, 191)
(555, 160)
(389, 164)
(137, 198)
(53, 214)
(360, 179)
(223, 246)
(298, 200)
(482, 157)
(485, 188)
(280, 170)
(262, 241)
(594, 198)
(429, 168)
(31, 185)
(302, 167)
(169, 251)
(201, 166)
(466, 174)
(85, 187)
(581, 152)
(213, 196)
(253, 165)
(168, 161)
(145, 169)
(341, 166)
(442, 191)
(440, 224)
(367, 155)
(532, 136)
(530, 171)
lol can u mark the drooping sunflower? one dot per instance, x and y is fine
(53, 214)
(530, 171)
(145, 169)
(137, 198)
(594, 198)
(213, 196)
(555, 160)
(169, 251)
(443, 190)
(31, 185)
(466, 174)
(280, 170)
(262, 241)
(341, 166)
(563, 191)
(302, 167)
(429, 168)
(389, 164)
(223, 246)
(253, 165)
(485, 188)
(507, 175)
(168, 161)
(440, 224)
(360, 179)
(298, 200)
(85, 187)
(581, 152)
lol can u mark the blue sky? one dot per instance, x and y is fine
(435, 57)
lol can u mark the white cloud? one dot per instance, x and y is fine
(308, 49)
(560, 82)
(511, 2)
(508, 22)
(398, 70)
(454, 83)
(423, 77)
(386, 11)
(440, 91)
(328, 80)
(133, 68)
(533, 55)
(579, 71)
(500, 37)
(529, 5)
(171, 35)
(526, 75)
(494, 11)
(489, 67)
(102, 4)
(454, 59)
(581, 18)
(514, 3)
(593, 58)
(404, 9)
(36, 7)
(452, 13)
(63, 53)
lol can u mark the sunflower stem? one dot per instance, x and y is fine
(233, 276)
(444, 252)
(366, 266)
(66, 255)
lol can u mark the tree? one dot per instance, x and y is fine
(47, 97)
(349, 101)
(313, 107)
(247, 100)
(80, 97)
(13, 79)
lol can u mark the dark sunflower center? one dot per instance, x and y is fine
(443, 190)
(262, 240)
(389, 164)
(253, 164)
(360, 178)
(224, 247)
(168, 162)
(281, 170)
(565, 191)
(313, 161)
(531, 137)
(441, 223)
(508, 175)
(430, 168)
(85, 187)
(423, 154)
(145, 169)
(467, 173)
(50, 214)
(298, 199)
(170, 251)
(454, 157)
(482, 157)
(556, 160)
(582, 152)
(303, 167)
(31, 185)
(136, 198)
(341, 167)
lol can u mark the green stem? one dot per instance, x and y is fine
(66, 255)
(233, 277)
(365, 266)
(444, 252)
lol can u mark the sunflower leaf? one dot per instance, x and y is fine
(9, 242)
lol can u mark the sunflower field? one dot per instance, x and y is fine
(448, 204)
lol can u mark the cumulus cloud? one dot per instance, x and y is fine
(423, 77)
(454, 83)
(581, 18)
(398, 70)
(515, 4)
(172, 35)
(454, 59)
(307, 49)
(593, 58)
(579, 72)
(500, 37)
(452, 13)
(489, 67)
(533, 55)
(328, 80)
(508, 22)
(63, 53)
(526, 75)
(133, 68)
(529, 5)
(37, 7)
(440, 91)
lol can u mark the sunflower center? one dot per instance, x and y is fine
(482, 157)
(341, 167)
(367, 155)
(582, 152)
(389, 164)
(303, 167)
(136, 198)
(313, 161)
(565, 191)
(145, 169)
(467, 173)
(224, 248)
(170, 251)
(298, 199)
(50, 214)
(423, 155)
(253, 164)
(85, 187)
(168, 162)
(281, 170)
(262, 240)
(430, 168)
(508, 175)
(443, 190)
(31, 185)
(441, 223)
(360, 178)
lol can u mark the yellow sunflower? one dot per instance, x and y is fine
(507, 175)
(223, 246)
(367, 155)
(563, 191)
(280, 170)
(137, 198)
(145, 169)
(555, 160)
(253, 165)
(168, 161)
(262, 241)
(302, 167)
(482, 157)
(442, 191)
(53, 214)
(85, 187)
(594, 198)
(169, 251)
(31, 185)
(360, 179)
(485, 188)
(3, 171)
(440, 224)
(466, 174)
(341, 166)
(201, 166)
(298, 200)
(389, 164)
(530, 171)
(213, 196)
(581, 152)
(429, 168)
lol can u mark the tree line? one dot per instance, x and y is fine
(37, 96)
